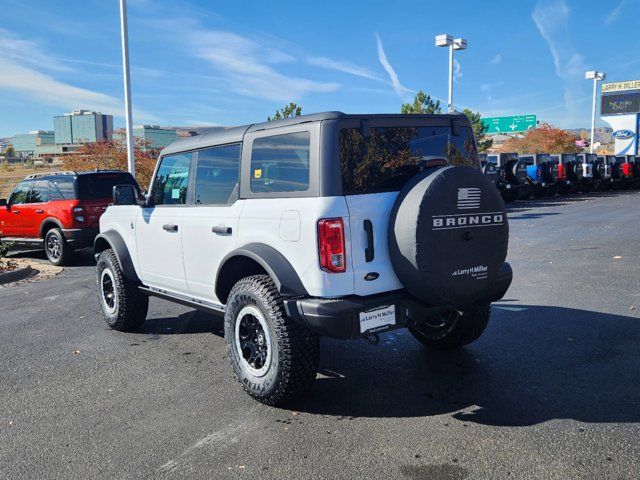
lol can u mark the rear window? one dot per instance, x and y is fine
(100, 185)
(280, 163)
(390, 156)
(62, 188)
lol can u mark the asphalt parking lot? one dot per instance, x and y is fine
(552, 390)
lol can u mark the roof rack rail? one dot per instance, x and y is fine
(47, 174)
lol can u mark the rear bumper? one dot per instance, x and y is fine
(80, 237)
(340, 318)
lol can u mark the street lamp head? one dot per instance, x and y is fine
(460, 44)
(444, 40)
(595, 75)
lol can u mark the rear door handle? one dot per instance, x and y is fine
(39, 210)
(368, 252)
(16, 212)
(170, 228)
(222, 230)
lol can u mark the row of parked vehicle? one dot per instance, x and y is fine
(519, 177)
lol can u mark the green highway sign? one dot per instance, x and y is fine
(511, 124)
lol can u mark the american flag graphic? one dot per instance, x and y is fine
(468, 198)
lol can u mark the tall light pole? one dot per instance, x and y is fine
(595, 76)
(127, 85)
(453, 44)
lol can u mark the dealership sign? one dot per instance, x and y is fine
(621, 86)
(622, 134)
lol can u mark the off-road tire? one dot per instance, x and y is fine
(130, 305)
(509, 194)
(538, 191)
(63, 255)
(464, 329)
(295, 352)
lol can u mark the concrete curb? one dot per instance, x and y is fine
(15, 275)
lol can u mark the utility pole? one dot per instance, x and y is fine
(127, 86)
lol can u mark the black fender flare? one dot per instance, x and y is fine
(49, 220)
(112, 239)
(274, 263)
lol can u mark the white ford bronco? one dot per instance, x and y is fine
(330, 224)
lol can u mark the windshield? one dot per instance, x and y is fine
(97, 186)
(390, 156)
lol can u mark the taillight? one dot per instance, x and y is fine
(626, 169)
(331, 245)
(78, 214)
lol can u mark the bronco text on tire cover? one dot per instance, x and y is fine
(448, 236)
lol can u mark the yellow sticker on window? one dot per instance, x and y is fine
(257, 173)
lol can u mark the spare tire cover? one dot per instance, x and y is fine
(448, 236)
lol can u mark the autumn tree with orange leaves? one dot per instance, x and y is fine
(112, 154)
(544, 139)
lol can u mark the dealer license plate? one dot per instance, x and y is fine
(377, 319)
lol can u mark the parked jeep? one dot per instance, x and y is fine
(512, 174)
(333, 225)
(602, 173)
(583, 167)
(59, 211)
(539, 174)
(625, 170)
(613, 168)
(490, 169)
(563, 165)
(634, 160)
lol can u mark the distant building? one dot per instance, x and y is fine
(24, 144)
(156, 137)
(54, 151)
(82, 126)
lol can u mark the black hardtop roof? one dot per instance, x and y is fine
(227, 135)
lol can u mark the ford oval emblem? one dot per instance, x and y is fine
(623, 134)
(371, 276)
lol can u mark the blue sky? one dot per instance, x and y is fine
(233, 62)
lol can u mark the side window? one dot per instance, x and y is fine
(217, 174)
(172, 179)
(280, 163)
(39, 192)
(63, 188)
(20, 194)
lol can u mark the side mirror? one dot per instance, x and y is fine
(124, 195)
(3, 202)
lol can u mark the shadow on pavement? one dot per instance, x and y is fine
(190, 322)
(81, 258)
(533, 364)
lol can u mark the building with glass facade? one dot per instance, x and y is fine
(24, 144)
(156, 138)
(82, 126)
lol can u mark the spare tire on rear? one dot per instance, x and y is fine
(448, 236)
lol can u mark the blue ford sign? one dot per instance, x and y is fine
(623, 134)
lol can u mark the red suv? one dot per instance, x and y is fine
(59, 210)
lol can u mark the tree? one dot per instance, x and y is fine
(112, 154)
(422, 103)
(9, 151)
(479, 130)
(544, 139)
(291, 110)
